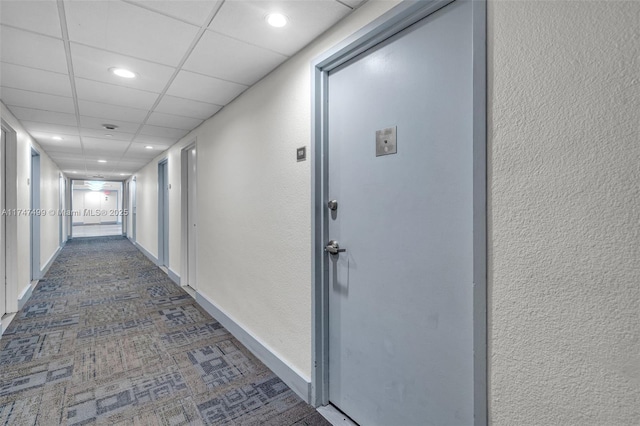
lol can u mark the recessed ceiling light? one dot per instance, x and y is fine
(74, 171)
(277, 20)
(148, 147)
(123, 174)
(122, 72)
(56, 138)
(102, 161)
(109, 135)
(109, 126)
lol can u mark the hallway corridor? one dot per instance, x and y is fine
(108, 338)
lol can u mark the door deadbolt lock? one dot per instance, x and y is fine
(334, 248)
(333, 205)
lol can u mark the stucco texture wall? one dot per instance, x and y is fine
(564, 215)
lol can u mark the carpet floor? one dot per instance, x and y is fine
(108, 338)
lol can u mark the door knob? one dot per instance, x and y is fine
(332, 205)
(333, 248)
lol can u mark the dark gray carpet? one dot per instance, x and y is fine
(107, 338)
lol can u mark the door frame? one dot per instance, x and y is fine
(35, 203)
(185, 279)
(10, 188)
(395, 20)
(163, 212)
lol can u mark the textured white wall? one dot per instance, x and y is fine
(564, 93)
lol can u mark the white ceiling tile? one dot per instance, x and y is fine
(115, 95)
(129, 29)
(195, 12)
(101, 134)
(101, 148)
(111, 112)
(163, 132)
(205, 89)
(71, 158)
(38, 115)
(39, 16)
(66, 146)
(154, 140)
(96, 124)
(173, 121)
(354, 3)
(94, 64)
(34, 127)
(32, 50)
(138, 151)
(234, 60)
(23, 98)
(19, 77)
(137, 163)
(245, 20)
(187, 107)
(47, 137)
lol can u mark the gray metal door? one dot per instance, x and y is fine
(192, 218)
(35, 216)
(401, 295)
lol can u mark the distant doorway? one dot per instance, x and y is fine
(96, 208)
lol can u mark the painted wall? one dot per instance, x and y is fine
(564, 111)
(49, 199)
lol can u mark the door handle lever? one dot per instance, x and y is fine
(334, 248)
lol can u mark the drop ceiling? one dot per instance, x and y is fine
(191, 59)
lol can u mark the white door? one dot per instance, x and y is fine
(401, 295)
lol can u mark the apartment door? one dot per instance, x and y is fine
(125, 207)
(134, 208)
(3, 235)
(163, 214)
(400, 187)
(190, 200)
(61, 206)
(35, 217)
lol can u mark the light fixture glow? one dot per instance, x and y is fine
(277, 20)
(56, 138)
(124, 73)
(102, 161)
(109, 135)
(148, 147)
(123, 174)
(74, 171)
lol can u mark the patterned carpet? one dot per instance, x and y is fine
(107, 338)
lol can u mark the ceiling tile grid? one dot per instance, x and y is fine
(189, 59)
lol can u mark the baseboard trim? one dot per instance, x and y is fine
(146, 253)
(174, 277)
(53, 257)
(26, 294)
(289, 375)
(5, 321)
